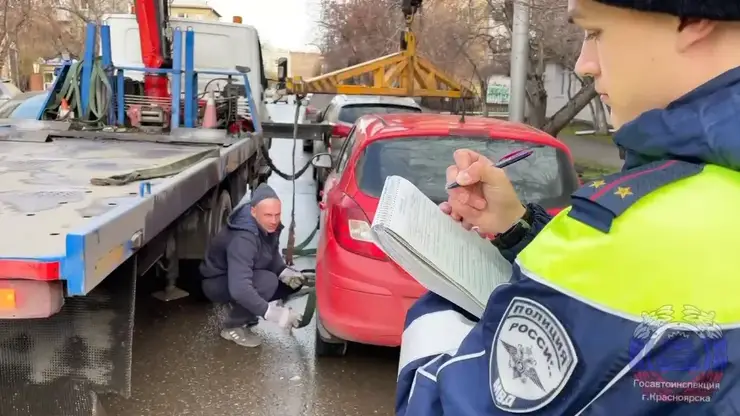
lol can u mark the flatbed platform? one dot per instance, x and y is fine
(47, 198)
(45, 188)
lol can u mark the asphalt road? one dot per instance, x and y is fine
(182, 367)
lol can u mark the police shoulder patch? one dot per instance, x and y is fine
(599, 202)
(532, 358)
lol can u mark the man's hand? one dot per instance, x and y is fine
(292, 278)
(282, 316)
(486, 198)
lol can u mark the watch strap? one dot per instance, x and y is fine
(516, 232)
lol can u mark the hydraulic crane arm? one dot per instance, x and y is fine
(400, 74)
(153, 19)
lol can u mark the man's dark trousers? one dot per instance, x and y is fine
(217, 290)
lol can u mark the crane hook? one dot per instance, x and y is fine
(409, 9)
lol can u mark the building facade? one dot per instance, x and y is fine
(194, 9)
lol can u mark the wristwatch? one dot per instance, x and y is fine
(516, 233)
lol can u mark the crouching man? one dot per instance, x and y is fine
(244, 269)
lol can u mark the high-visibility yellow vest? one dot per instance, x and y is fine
(665, 234)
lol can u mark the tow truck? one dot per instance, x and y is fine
(129, 168)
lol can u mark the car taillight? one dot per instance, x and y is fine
(340, 130)
(351, 229)
(29, 269)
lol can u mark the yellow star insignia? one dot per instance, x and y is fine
(623, 191)
(597, 184)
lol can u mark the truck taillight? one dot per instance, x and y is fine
(29, 269)
(351, 229)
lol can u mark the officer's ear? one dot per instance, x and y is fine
(691, 31)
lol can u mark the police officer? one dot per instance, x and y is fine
(624, 304)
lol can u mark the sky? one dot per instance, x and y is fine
(285, 24)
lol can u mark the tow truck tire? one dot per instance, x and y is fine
(221, 212)
(329, 349)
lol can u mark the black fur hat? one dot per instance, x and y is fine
(702, 9)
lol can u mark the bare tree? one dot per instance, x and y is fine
(16, 16)
(63, 23)
(553, 40)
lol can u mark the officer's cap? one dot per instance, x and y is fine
(728, 10)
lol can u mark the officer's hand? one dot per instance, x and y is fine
(282, 316)
(486, 198)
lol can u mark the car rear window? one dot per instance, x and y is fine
(350, 113)
(547, 177)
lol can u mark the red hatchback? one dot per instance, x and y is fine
(361, 295)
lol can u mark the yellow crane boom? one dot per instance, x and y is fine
(403, 73)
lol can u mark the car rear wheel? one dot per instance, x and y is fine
(329, 349)
(319, 184)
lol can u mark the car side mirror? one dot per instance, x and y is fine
(322, 161)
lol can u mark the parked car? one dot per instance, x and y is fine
(343, 111)
(362, 296)
(25, 105)
(8, 90)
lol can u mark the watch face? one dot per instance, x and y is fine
(525, 224)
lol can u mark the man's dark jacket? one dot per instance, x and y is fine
(242, 247)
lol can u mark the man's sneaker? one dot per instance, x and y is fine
(242, 336)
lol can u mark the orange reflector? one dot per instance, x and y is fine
(7, 299)
(237, 19)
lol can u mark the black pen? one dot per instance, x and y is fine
(521, 155)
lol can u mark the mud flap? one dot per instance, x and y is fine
(54, 366)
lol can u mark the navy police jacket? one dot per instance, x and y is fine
(623, 304)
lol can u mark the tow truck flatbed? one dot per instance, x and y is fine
(50, 211)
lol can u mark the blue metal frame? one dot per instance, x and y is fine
(176, 84)
(55, 89)
(73, 264)
(120, 104)
(187, 75)
(250, 101)
(107, 57)
(87, 66)
(191, 80)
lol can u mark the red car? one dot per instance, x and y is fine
(362, 296)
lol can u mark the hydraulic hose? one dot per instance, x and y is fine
(99, 98)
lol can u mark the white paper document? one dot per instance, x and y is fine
(435, 250)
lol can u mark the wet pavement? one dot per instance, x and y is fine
(182, 367)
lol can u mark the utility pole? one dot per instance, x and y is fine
(519, 60)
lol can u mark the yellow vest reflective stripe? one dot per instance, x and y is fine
(677, 245)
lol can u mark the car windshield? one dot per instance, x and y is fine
(547, 177)
(350, 113)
